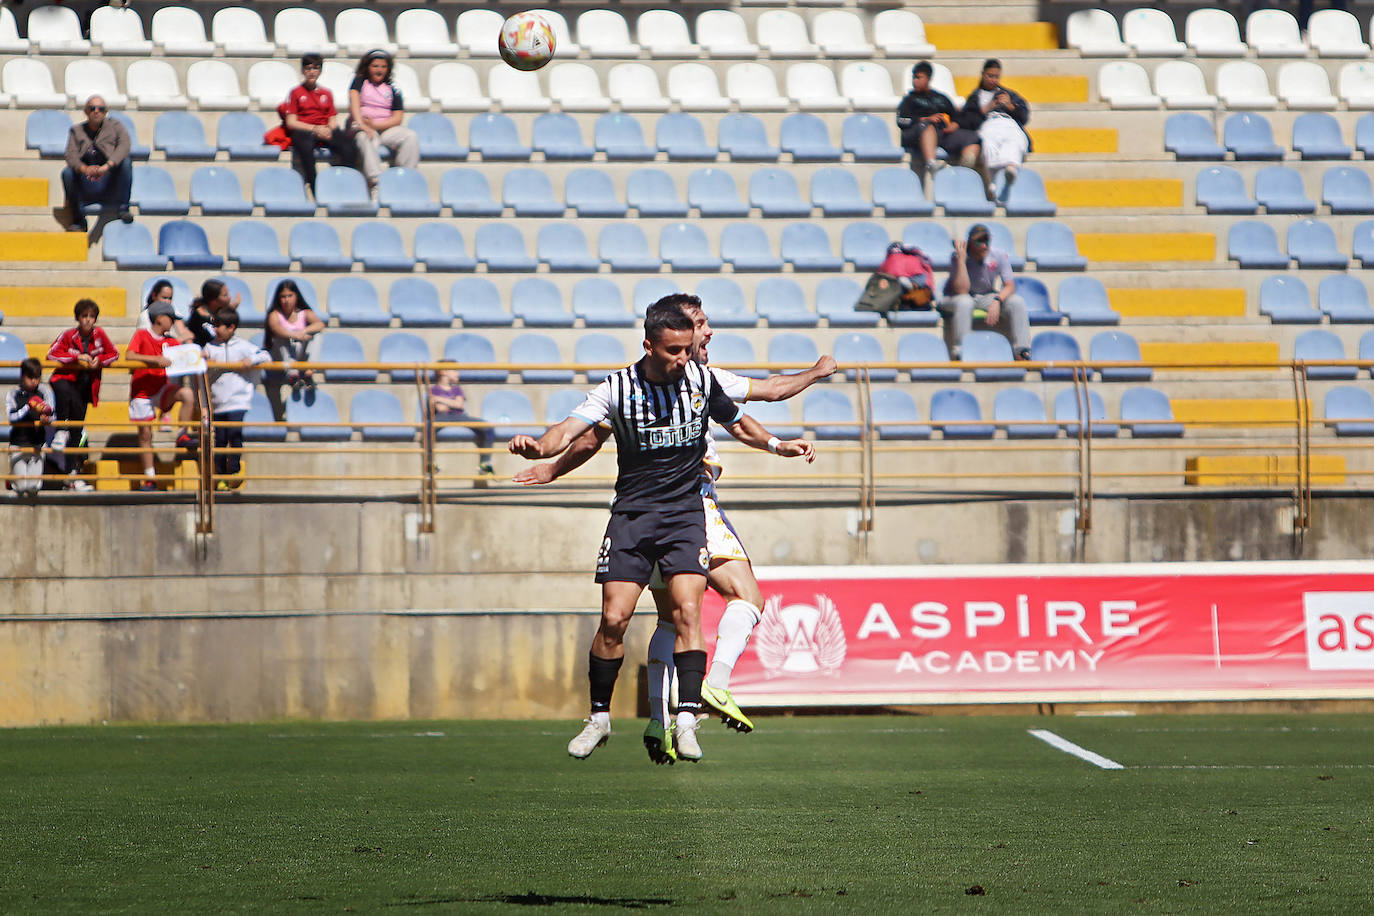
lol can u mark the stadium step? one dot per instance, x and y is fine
(187, 472)
(1260, 470)
(23, 192)
(67, 247)
(57, 301)
(1147, 246)
(1116, 193)
(986, 36)
(1216, 413)
(1037, 90)
(1189, 303)
(1216, 353)
(1061, 140)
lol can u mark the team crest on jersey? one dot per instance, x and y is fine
(698, 402)
(800, 639)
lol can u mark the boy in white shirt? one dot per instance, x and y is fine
(231, 389)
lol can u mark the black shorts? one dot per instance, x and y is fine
(674, 539)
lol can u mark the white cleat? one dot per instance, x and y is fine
(685, 738)
(592, 736)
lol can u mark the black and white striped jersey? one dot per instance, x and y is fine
(660, 432)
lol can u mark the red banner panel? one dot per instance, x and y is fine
(855, 635)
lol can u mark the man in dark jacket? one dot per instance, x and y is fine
(927, 119)
(98, 167)
(991, 96)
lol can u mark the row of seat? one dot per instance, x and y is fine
(1341, 299)
(1214, 32)
(152, 83)
(239, 31)
(1240, 84)
(1279, 189)
(1311, 243)
(1248, 135)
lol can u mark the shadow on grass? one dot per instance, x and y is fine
(533, 899)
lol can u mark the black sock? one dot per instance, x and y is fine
(602, 672)
(691, 671)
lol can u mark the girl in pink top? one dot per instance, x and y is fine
(375, 108)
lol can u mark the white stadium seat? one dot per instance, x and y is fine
(1304, 84)
(634, 87)
(477, 32)
(1336, 33)
(1243, 85)
(605, 33)
(56, 30)
(1151, 33)
(1125, 84)
(1274, 33)
(118, 31)
(840, 33)
(868, 86)
(358, 31)
(1357, 86)
(85, 78)
(942, 80)
(269, 81)
(240, 31)
(424, 33)
(214, 85)
(1213, 33)
(564, 46)
(782, 33)
(30, 83)
(664, 34)
(1095, 33)
(722, 34)
(753, 87)
(10, 42)
(456, 87)
(413, 96)
(695, 88)
(153, 84)
(336, 76)
(902, 34)
(298, 30)
(516, 91)
(812, 86)
(1180, 84)
(576, 87)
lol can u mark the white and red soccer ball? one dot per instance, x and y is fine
(526, 41)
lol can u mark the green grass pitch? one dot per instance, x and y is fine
(876, 814)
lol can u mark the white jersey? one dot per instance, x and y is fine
(736, 388)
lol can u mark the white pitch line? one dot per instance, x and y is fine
(1069, 747)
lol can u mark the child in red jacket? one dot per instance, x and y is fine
(81, 353)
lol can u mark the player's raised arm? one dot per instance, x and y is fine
(753, 434)
(578, 454)
(782, 387)
(555, 439)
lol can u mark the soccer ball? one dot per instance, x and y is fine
(526, 41)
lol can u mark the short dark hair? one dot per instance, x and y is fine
(992, 63)
(668, 314)
(83, 306)
(923, 67)
(312, 59)
(31, 368)
(227, 315)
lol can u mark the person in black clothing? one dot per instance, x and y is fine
(989, 96)
(214, 295)
(927, 118)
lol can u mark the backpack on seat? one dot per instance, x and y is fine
(905, 280)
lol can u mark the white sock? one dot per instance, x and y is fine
(661, 670)
(603, 719)
(736, 626)
(150, 472)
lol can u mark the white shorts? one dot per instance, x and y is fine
(722, 542)
(147, 408)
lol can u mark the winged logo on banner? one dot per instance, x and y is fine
(800, 639)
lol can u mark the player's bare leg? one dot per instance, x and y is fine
(689, 658)
(618, 601)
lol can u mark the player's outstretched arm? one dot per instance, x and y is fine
(753, 434)
(555, 439)
(578, 454)
(782, 387)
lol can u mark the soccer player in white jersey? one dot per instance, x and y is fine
(658, 410)
(730, 573)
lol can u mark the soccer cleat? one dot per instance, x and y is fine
(592, 736)
(722, 702)
(659, 743)
(685, 739)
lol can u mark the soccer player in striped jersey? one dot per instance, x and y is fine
(658, 410)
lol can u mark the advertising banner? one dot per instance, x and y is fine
(891, 635)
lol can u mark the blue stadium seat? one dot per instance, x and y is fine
(1084, 300)
(501, 246)
(181, 294)
(239, 133)
(281, 192)
(563, 247)
(181, 136)
(440, 247)
(1366, 348)
(1052, 246)
(864, 245)
(558, 137)
(788, 347)
(805, 136)
(856, 349)
(1118, 347)
(1055, 347)
(835, 300)
(494, 137)
(415, 302)
(990, 347)
(539, 304)
(745, 246)
(467, 193)
(438, 140)
(1313, 245)
(1221, 189)
(477, 303)
(1191, 136)
(378, 246)
(807, 247)
(651, 193)
(1279, 190)
(471, 351)
(830, 415)
(154, 193)
(603, 349)
(343, 347)
(774, 192)
(1317, 135)
(776, 417)
(217, 192)
(184, 242)
(535, 350)
(960, 192)
(371, 409)
(682, 246)
(1037, 298)
(1027, 196)
(895, 417)
(12, 350)
(933, 239)
(898, 192)
(260, 411)
(599, 303)
(836, 192)
(354, 302)
(712, 193)
(130, 246)
(868, 139)
(1148, 414)
(530, 193)
(1022, 414)
(404, 192)
(955, 412)
(1248, 136)
(624, 247)
(1347, 190)
(650, 290)
(139, 152)
(316, 245)
(560, 404)
(254, 246)
(46, 131)
(1003, 241)
(592, 194)
(250, 316)
(1321, 344)
(1350, 411)
(926, 348)
(315, 406)
(1068, 409)
(743, 138)
(730, 351)
(1364, 135)
(620, 137)
(724, 303)
(1344, 300)
(1363, 248)
(1253, 244)
(782, 302)
(682, 138)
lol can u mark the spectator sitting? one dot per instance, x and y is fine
(926, 118)
(449, 405)
(81, 353)
(992, 97)
(309, 114)
(214, 295)
(151, 394)
(98, 166)
(375, 108)
(291, 328)
(162, 291)
(980, 286)
(231, 389)
(30, 409)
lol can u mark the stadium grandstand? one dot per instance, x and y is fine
(1190, 232)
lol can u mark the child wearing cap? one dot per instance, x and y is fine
(151, 393)
(375, 108)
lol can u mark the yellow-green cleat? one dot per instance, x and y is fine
(724, 704)
(659, 743)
